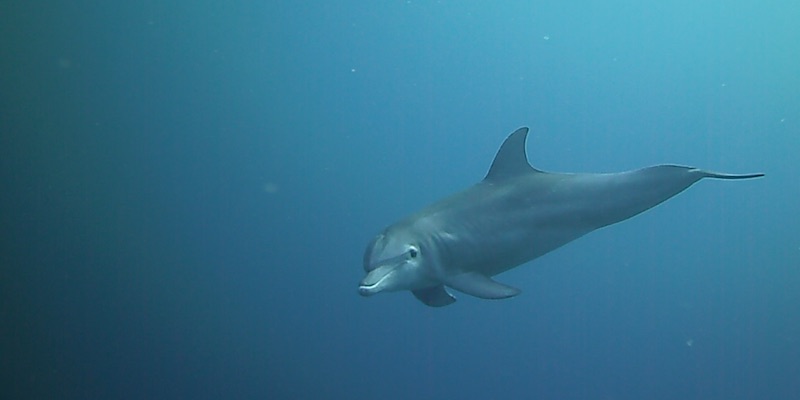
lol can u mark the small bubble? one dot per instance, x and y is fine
(271, 188)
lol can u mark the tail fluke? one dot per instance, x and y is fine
(717, 175)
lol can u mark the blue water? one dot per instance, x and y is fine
(188, 188)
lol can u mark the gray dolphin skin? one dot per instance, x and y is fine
(515, 214)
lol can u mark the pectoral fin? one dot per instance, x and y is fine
(479, 285)
(435, 296)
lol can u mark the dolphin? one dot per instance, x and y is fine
(514, 215)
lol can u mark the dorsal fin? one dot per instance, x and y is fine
(511, 160)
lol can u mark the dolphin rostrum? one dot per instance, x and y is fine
(515, 214)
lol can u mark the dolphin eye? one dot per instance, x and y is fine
(413, 252)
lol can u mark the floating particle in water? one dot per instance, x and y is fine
(271, 187)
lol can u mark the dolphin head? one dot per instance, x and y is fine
(393, 261)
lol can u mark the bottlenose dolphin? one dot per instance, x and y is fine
(515, 214)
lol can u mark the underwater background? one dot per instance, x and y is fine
(188, 189)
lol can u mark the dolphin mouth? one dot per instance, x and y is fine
(366, 290)
(369, 288)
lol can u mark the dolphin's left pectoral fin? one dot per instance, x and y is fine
(436, 296)
(479, 285)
